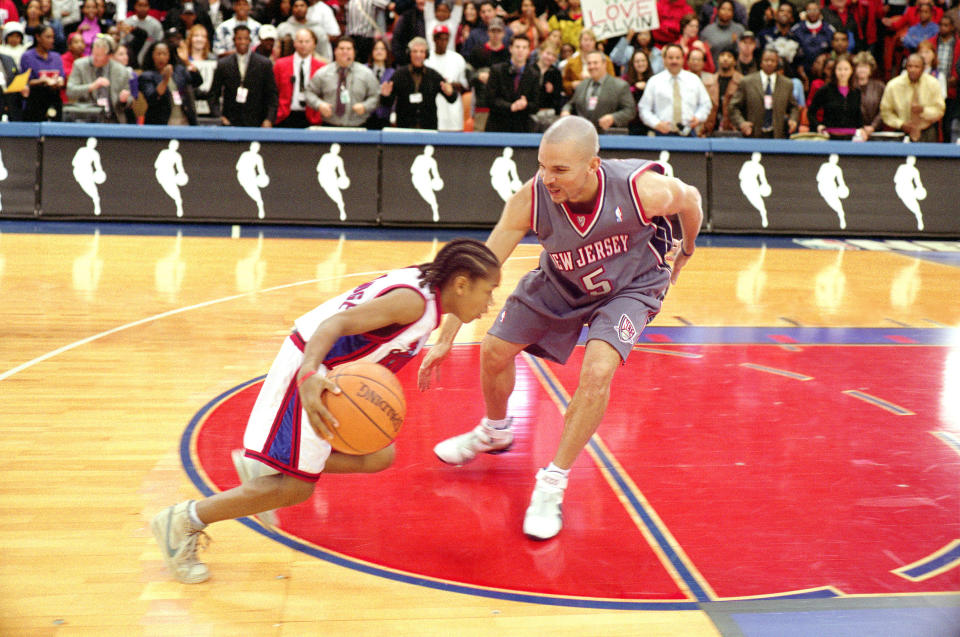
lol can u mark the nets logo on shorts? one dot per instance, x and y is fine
(626, 331)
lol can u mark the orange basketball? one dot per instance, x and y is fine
(370, 408)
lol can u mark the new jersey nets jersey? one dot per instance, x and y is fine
(592, 255)
(392, 346)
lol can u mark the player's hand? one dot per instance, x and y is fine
(311, 393)
(679, 260)
(430, 363)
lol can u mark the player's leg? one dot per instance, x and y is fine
(369, 463)
(586, 409)
(493, 434)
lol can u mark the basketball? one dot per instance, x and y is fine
(370, 408)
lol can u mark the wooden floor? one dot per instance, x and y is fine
(110, 344)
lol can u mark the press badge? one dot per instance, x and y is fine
(241, 95)
(416, 98)
(177, 100)
(592, 102)
(103, 103)
(768, 102)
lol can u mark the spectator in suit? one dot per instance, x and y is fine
(514, 90)
(244, 81)
(168, 87)
(575, 70)
(292, 74)
(603, 99)
(223, 41)
(835, 109)
(99, 80)
(764, 105)
(11, 104)
(913, 102)
(346, 92)
(660, 108)
(414, 90)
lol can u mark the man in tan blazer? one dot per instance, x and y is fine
(99, 80)
(764, 105)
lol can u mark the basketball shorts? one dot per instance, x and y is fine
(278, 432)
(538, 315)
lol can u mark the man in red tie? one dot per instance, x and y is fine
(292, 74)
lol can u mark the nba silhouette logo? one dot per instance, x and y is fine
(619, 215)
(503, 315)
(626, 331)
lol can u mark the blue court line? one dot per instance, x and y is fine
(892, 336)
(945, 559)
(879, 402)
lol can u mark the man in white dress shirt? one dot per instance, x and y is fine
(675, 101)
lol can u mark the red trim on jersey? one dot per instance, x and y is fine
(590, 220)
(533, 204)
(636, 194)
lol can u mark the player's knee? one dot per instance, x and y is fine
(294, 490)
(596, 376)
(495, 354)
(380, 460)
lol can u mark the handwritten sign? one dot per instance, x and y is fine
(608, 18)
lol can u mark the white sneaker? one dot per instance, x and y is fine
(247, 470)
(179, 542)
(543, 519)
(462, 449)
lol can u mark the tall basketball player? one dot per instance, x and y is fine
(605, 233)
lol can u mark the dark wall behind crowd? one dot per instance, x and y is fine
(83, 171)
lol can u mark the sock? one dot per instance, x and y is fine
(192, 514)
(497, 424)
(564, 472)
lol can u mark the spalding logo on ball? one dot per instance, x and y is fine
(370, 408)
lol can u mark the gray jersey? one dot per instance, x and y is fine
(591, 256)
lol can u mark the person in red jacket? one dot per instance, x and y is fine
(292, 74)
(670, 11)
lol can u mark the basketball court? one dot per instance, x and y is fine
(780, 456)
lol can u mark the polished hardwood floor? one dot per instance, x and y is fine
(111, 343)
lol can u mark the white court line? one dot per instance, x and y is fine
(66, 348)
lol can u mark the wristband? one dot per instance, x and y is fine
(322, 370)
(684, 252)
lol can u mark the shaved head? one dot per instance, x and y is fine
(574, 130)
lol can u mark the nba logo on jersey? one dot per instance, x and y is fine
(626, 332)
(503, 315)
(619, 215)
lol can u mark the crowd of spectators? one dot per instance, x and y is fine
(838, 69)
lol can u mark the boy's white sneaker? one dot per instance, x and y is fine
(543, 519)
(179, 543)
(462, 449)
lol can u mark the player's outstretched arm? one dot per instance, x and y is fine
(511, 228)
(401, 306)
(663, 196)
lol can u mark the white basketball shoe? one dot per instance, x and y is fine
(461, 449)
(543, 519)
(179, 542)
